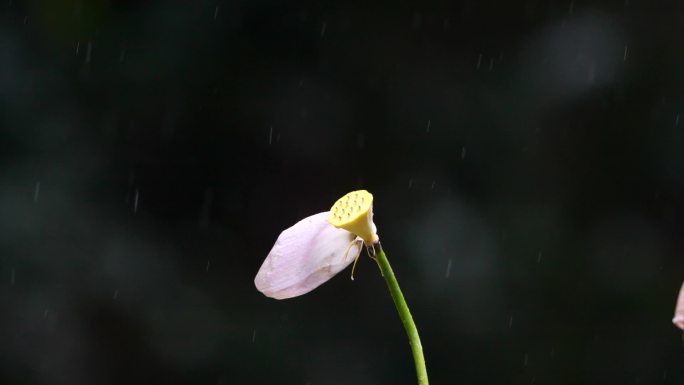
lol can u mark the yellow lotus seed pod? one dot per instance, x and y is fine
(354, 213)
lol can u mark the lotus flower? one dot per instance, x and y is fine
(320, 246)
(678, 319)
(313, 250)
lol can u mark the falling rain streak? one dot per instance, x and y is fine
(36, 192)
(624, 55)
(448, 269)
(135, 201)
(89, 52)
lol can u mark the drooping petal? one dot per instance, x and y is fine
(305, 256)
(678, 319)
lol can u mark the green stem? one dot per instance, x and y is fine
(404, 314)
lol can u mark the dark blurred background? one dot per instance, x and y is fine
(526, 159)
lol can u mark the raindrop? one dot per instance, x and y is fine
(216, 12)
(479, 62)
(122, 55)
(677, 120)
(526, 359)
(571, 7)
(89, 52)
(45, 313)
(624, 55)
(206, 269)
(539, 257)
(116, 295)
(36, 191)
(410, 183)
(432, 187)
(323, 27)
(135, 201)
(427, 129)
(510, 322)
(253, 335)
(448, 269)
(491, 65)
(270, 135)
(463, 152)
(78, 46)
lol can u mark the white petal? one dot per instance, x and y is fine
(305, 256)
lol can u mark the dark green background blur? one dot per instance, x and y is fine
(527, 162)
